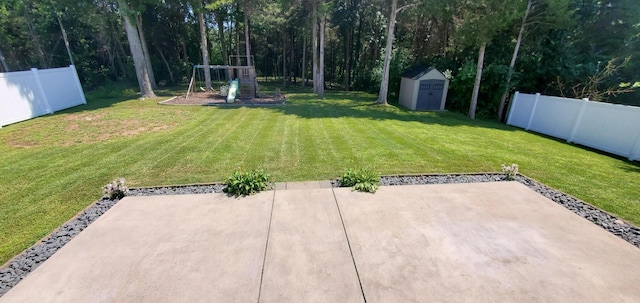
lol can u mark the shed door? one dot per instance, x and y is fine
(430, 95)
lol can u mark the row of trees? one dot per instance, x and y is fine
(574, 48)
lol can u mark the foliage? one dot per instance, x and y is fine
(460, 87)
(116, 189)
(564, 41)
(510, 171)
(363, 179)
(595, 88)
(246, 183)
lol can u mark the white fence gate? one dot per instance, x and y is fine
(29, 94)
(609, 127)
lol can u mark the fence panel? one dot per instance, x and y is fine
(521, 110)
(609, 127)
(59, 87)
(554, 116)
(29, 94)
(21, 98)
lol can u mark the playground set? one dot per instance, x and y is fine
(233, 83)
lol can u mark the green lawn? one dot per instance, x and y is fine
(54, 166)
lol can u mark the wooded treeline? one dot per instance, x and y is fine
(575, 48)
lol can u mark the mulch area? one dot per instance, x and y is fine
(215, 98)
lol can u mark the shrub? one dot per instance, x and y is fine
(248, 183)
(363, 180)
(115, 189)
(510, 171)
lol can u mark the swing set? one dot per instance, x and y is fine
(231, 81)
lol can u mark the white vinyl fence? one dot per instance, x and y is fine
(609, 127)
(29, 94)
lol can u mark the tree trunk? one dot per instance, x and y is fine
(64, 36)
(238, 61)
(184, 52)
(138, 57)
(503, 99)
(292, 76)
(5, 67)
(304, 60)
(120, 55)
(231, 31)
(247, 43)
(223, 46)
(384, 84)
(284, 60)
(205, 51)
(166, 63)
(347, 59)
(314, 44)
(323, 22)
(476, 85)
(446, 38)
(145, 51)
(34, 36)
(357, 61)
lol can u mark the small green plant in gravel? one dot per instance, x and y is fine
(116, 189)
(510, 171)
(362, 180)
(247, 183)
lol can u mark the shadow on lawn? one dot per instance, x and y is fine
(112, 94)
(362, 106)
(630, 166)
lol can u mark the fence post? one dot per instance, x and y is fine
(635, 150)
(36, 77)
(77, 83)
(533, 110)
(511, 104)
(578, 119)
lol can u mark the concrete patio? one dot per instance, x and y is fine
(482, 242)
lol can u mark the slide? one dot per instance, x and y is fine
(233, 91)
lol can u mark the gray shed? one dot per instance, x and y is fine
(423, 88)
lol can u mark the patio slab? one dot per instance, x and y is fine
(186, 248)
(483, 242)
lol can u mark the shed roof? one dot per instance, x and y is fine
(417, 71)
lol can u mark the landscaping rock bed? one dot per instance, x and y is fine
(31, 258)
(176, 190)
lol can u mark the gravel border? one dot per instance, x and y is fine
(20, 266)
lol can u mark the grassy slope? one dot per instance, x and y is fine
(54, 166)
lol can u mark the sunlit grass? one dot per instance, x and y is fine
(54, 166)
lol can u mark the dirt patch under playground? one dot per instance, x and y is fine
(215, 98)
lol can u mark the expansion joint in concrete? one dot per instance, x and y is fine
(266, 245)
(349, 245)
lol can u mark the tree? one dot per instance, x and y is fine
(63, 31)
(3, 62)
(34, 35)
(481, 20)
(314, 45)
(205, 50)
(247, 42)
(384, 84)
(145, 51)
(142, 73)
(220, 15)
(323, 22)
(550, 13)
